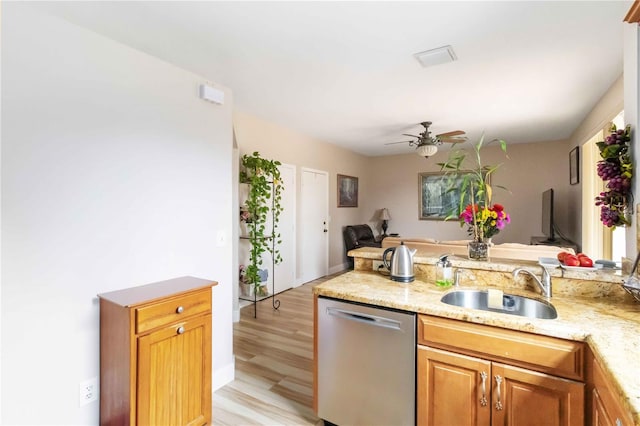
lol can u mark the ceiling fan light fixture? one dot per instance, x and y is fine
(426, 150)
(436, 56)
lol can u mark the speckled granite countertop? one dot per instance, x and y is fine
(611, 328)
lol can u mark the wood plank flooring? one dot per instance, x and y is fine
(274, 364)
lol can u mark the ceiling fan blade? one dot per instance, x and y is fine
(452, 133)
(452, 140)
(413, 136)
(394, 143)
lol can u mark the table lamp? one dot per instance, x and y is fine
(384, 216)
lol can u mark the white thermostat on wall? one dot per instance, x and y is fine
(211, 94)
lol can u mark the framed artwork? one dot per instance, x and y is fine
(574, 166)
(347, 191)
(436, 201)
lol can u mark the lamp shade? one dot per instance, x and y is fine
(384, 214)
(426, 150)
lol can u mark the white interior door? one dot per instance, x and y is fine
(285, 272)
(314, 222)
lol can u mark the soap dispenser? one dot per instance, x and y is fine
(444, 272)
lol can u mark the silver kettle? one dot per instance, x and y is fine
(401, 266)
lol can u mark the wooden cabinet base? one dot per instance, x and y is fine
(471, 374)
(456, 389)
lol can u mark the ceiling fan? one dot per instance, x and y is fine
(427, 145)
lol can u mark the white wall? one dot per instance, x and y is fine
(114, 174)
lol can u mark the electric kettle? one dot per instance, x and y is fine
(401, 266)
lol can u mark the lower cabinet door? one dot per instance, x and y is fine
(453, 389)
(525, 397)
(599, 414)
(174, 374)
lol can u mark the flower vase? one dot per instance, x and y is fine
(478, 250)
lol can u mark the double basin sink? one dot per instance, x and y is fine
(511, 304)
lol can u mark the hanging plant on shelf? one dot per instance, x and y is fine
(264, 199)
(616, 170)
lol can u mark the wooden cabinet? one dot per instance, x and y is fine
(155, 354)
(466, 376)
(603, 403)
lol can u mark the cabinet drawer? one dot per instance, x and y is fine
(168, 311)
(551, 355)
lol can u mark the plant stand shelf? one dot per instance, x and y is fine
(253, 236)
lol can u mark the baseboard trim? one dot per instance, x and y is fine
(338, 268)
(223, 375)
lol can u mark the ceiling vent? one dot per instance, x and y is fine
(437, 56)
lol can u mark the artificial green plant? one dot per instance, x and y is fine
(472, 184)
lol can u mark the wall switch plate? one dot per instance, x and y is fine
(88, 391)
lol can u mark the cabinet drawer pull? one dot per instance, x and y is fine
(180, 330)
(483, 398)
(180, 309)
(499, 398)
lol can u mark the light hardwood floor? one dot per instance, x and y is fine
(274, 364)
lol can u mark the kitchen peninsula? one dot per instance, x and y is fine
(594, 314)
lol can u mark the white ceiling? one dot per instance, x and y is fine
(344, 72)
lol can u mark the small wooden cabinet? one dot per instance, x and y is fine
(155, 354)
(478, 375)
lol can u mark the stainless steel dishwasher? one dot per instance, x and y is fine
(366, 364)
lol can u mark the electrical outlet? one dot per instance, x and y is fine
(377, 265)
(88, 391)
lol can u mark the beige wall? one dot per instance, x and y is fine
(610, 105)
(289, 147)
(531, 169)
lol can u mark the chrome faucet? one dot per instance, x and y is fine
(544, 285)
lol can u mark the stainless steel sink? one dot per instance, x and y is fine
(511, 304)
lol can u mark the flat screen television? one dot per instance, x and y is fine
(547, 215)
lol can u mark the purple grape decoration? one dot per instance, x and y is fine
(616, 170)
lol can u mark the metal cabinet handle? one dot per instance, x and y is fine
(180, 309)
(180, 330)
(483, 398)
(499, 398)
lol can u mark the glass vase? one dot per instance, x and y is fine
(478, 250)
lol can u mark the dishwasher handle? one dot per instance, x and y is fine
(365, 318)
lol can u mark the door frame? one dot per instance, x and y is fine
(302, 278)
(294, 232)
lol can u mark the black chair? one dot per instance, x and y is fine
(356, 236)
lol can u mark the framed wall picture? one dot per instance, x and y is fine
(439, 195)
(574, 166)
(347, 191)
